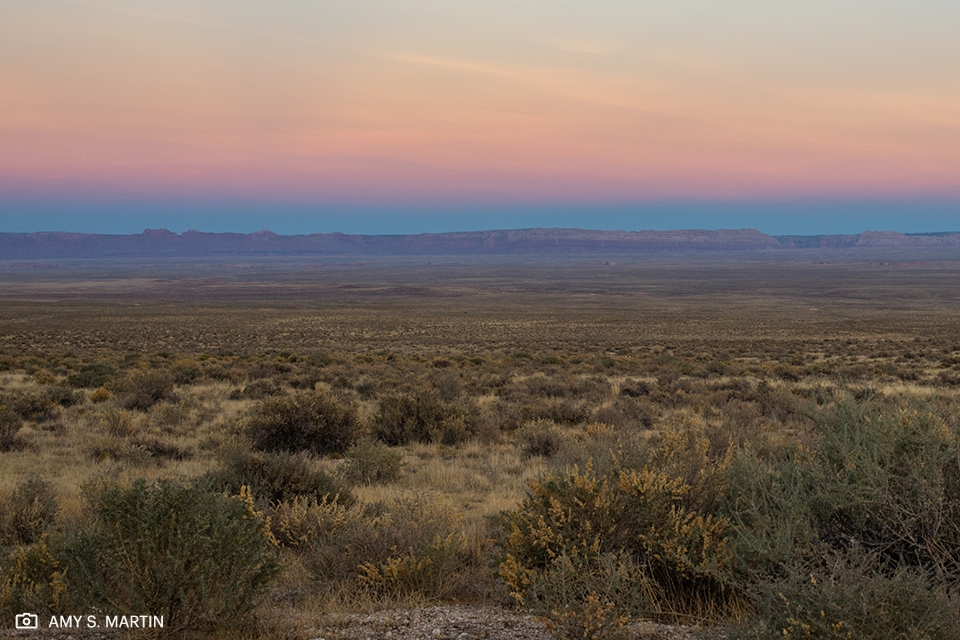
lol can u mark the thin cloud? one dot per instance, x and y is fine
(458, 65)
(151, 15)
(586, 47)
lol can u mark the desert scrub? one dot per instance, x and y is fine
(883, 476)
(540, 438)
(27, 513)
(144, 389)
(275, 477)
(633, 522)
(393, 549)
(889, 477)
(309, 421)
(371, 462)
(118, 423)
(850, 595)
(202, 560)
(32, 579)
(10, 424)
(422, 417)
(414, 546)
(303, 522)
(92, 375)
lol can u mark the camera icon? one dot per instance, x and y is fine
(26, 621)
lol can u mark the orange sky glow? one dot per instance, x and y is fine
(462, 102)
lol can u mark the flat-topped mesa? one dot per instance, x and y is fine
(538, 241)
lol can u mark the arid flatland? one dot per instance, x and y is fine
(390, 420)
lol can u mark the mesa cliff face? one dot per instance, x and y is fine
(163, 243)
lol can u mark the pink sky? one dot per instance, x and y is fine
(469, 102)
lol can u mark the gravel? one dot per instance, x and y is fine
(466, 623)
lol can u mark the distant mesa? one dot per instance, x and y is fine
(561, 242)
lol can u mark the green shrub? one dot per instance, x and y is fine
(371, 462)
(412, 546)
(202, 560)
(32, 579)
(64, 396)
(409, 418)
(540, 438)
(848, 595)
(28, 513)
(556, 409)
(769, 503)
(146, 388)
(92, 375)
(312, 421)
(274, 477)
(889, 477)
(422, 417)
(639, 516)
(590, 599)
(10, 424)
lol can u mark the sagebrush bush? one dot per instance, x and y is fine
(557, 410)
(393, 549)
(371, 462)
(413, 546)
(64, 396)
(310, 421)
(275, 477)
(590, 598)
(889, 477)
(32, 578)
(92, 375)
(28, 512)
(409, 418)
(30, 406)
(146, 388)
(769, 503)
(202, 560)
(422, 417)
(540, 438)
(851, 595)
(10, 424)
(637, 514)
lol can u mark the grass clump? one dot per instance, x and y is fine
(10, 424)
(371, 462)
(28, 512)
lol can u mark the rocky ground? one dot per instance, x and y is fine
(466, 623)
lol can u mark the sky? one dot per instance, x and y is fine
(407, 116)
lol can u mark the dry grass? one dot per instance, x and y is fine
(629, 350)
